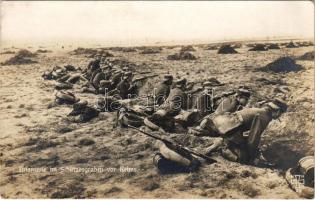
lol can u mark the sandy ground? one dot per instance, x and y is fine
(32, 136)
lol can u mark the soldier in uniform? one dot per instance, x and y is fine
(82, 112)
(162, 90)
(176, 101)
(123, 86)
(199, 105)
(235, 145)
(170, 160)
(97, 79)
(203, 101)
(91, 68)
(234, 102)
(116, 78)
(105, 86)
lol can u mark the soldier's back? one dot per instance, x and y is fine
(177, 99)
(123, 88)
(248, 114)
(228, 104)
(161, 92)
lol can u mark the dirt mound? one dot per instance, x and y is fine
(291, 45)
(127, 49)
(81, 51)
(307, 56)
(226, 49)
(211, 47)
(150, 51)
(22, 57)
(188, 48)
(124, 63)
(273, 46)
(105, 53)
(43, 51)
(304, 44)
(283, 64)
(182, 55)
(259, 47)
(8, 52)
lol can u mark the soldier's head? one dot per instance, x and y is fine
(190, 85)
(96, 64)
(181, 83)
(277, 107)
(129, 75)
(208, 90)
(243, 96)
(168, 79)
(207, 86)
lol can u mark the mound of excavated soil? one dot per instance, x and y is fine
(283, 64)
(188, 48)
(307, 56)
(291, 45)
(150, 51)
(129, 49)
(182, 55)
(8, 52)
(273, 46)
(22, 57)
(226, 49)
(259, 47)
(43, 51)
(80, 51)
(102, 53)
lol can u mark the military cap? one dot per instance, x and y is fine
(278, 104)
(273, 106)
(125, 68)
(243, 92)
(117, 70)
(181, 82)
(281, 104)
(206, 84)
(168, 77)
(128, 73)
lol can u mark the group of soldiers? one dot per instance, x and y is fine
(237, 128)
(173, 106)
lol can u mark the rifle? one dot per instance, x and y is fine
(191, 92)
(175, 146)
(143, 78)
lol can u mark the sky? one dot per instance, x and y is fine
(152, 22)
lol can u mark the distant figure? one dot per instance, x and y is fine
(163, 89)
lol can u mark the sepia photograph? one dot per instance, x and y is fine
(157, 99)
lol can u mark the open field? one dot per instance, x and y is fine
(31, 135)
